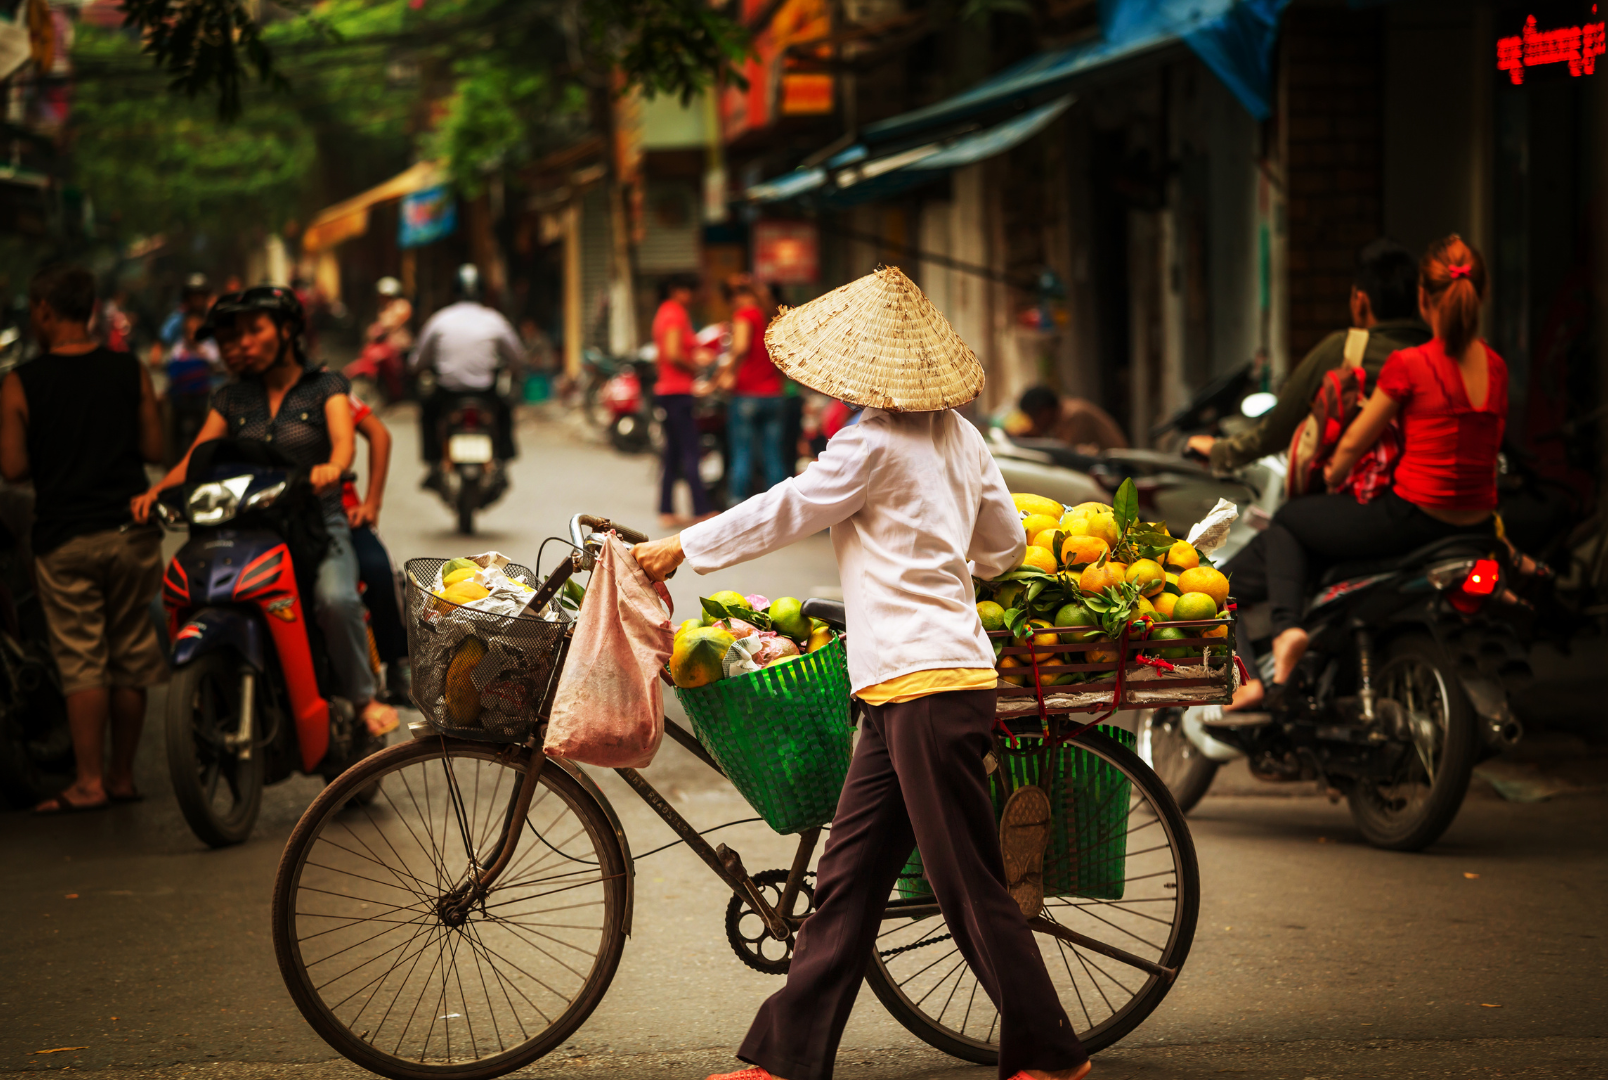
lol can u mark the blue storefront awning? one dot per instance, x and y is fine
(854, 176)
(1234, 38)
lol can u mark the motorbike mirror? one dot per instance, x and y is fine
(1258, 403)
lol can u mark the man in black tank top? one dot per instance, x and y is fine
(81, 421)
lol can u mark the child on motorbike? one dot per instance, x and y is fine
(307, 416)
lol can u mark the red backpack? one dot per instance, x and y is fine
(1334, 407)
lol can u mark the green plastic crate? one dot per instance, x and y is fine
(782, 735)
(1089, 799)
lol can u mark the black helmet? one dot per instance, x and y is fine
(280, 303)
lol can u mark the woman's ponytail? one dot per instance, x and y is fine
(1453, 276)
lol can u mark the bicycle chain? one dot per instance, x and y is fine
(914, 945)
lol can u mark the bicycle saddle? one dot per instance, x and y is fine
(828, 611)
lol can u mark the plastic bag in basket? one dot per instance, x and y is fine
(609, 709)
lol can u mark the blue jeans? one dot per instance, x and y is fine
(339, 611)
(751, 418)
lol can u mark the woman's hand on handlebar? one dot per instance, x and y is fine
(325, 478)
(659, 558)
(140, 505)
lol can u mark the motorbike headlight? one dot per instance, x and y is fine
(217, 502)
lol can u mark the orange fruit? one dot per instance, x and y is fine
(1007, 669)
(1041, 640)
(1181, 556)
(1039, 558)
(1094, 578)
(1148, 575)
(1080, 551)
(1207, 580)
(1092, 523)
(1045, 539)
(1034, 524)
(1194, 605)
(1163, 603)
(1105, 654)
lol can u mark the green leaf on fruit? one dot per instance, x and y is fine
(1125, 506)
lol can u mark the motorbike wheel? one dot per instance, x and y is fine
(219, 793)
(1410, 809)
(466, 509)
(1163, 746)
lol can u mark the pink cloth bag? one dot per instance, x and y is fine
(609, 709)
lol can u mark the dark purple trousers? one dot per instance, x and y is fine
(917, 779)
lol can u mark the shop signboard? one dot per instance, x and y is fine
(1553, 40)
(787, 252)
(427, 216)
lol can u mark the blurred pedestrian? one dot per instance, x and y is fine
(756, 387)
(374, 567)
(192, 368)
(194, 299)
(1077, 422)
(80, 421)
(678, 363)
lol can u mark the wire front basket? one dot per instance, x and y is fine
(477, 675)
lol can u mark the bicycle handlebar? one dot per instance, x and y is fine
(599, 524)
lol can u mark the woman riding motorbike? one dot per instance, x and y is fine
(1450, 398)
(307, 416)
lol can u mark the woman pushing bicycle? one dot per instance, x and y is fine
(917, 507)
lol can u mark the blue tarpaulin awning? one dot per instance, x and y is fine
(1234, 38)
(859, 178)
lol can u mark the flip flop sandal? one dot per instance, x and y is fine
(1024, 833)
(59, 806)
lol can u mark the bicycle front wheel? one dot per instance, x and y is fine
(1135, 843)
(404, 985)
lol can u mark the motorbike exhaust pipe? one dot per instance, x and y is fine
(1504, 731)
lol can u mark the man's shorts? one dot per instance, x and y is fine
(96, 591)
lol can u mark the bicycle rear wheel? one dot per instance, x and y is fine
(385, 977)
(919, 974)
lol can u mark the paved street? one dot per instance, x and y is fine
(1316, 955)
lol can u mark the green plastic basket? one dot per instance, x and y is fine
(1089, 839)
(782, 735)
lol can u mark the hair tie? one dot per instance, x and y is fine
(1455, 271)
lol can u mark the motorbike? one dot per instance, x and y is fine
(470, 477)
(249, 701)
(628, 398)
(378, 375)
(1403, 690)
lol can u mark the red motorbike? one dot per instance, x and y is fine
(249, 701)
(379, 366)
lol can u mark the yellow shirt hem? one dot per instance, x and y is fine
(919, 684)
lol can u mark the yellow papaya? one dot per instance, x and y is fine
(463, 700)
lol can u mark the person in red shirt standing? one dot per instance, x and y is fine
(678, 363)
(1450, 397)
(756, 386)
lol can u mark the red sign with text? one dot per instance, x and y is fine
(1575, 47)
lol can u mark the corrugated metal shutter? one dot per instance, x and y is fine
(670, 228)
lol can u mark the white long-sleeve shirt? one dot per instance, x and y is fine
(465, 342)
(916, 506)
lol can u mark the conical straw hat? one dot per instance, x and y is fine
(879, 342)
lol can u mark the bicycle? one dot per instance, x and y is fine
(469, 918)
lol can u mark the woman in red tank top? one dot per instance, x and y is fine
(755, 416)
(1450, 397)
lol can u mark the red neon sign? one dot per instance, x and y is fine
(1577, 46)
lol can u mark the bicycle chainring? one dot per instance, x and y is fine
(747, 931)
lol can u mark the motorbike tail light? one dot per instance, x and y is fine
(1481, 580)
(471, 417)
